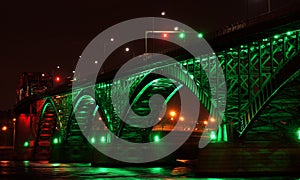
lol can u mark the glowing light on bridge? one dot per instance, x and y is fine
(289, 33)
(92, 140)
(200, 35)
(213, 135)
(26, 144)
(102, 139)
(276, 36)
(165, 35)
(298, 134)
(156, 138)
(55, 141)
(182, 35)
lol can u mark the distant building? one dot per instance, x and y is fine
(31, 83)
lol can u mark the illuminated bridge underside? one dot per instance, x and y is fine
(262, 95)
(251, 70)
(280, 119)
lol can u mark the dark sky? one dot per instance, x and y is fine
(38, 35)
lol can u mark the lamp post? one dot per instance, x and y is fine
(247, 7)
(14, 133)
(153, 32)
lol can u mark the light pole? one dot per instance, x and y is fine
(104, 46)
(247, 7)
(153, 32)
(14, 133)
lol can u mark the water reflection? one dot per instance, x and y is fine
(46, 170)
(28, 169)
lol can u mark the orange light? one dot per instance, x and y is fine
(205, 122)
(212, 119)
(4, 128)
(172, 113)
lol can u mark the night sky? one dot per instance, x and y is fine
(38, 35)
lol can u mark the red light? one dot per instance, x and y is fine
(165, 35)
(57, 79)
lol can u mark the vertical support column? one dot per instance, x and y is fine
(297, 41)
(260, 66)
(239, 89)
(271, 57)
(250, 111)
(194, 67)
(284, 49)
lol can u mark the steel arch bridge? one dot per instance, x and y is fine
(262, 79)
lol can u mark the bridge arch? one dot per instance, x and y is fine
(84, 120)
(275, 86)
(182, 78)
(46, 129)
(137, 95)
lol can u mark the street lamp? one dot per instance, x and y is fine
(14, 133)
(172, 114)
(247, 6)
(212, 119)
(127, 49)
(269, 6)
(165, 34)
(4, 128)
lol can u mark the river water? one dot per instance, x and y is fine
(46, 170)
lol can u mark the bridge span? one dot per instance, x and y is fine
(261, 65)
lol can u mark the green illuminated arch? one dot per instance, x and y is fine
(141, 92)
(80, 98)
(48, 102)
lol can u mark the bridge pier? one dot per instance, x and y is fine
(99, 160)
(62, 153)
(248, 158)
